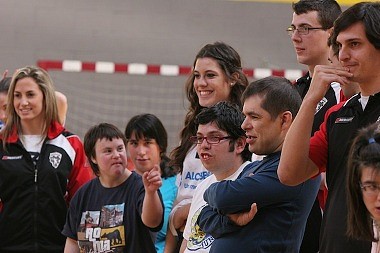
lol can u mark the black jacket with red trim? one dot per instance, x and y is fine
(329, 149)
(35, 195)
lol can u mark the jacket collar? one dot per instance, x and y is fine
(54, 130)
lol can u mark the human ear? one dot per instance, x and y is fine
(235, 78)
(286, 119)
(93, 160)
(240, 144)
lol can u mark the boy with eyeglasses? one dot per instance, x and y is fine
(310, 29)
(270, 105)
(221, 145)
(357, 38)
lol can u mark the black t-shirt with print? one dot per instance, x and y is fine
(109, 219)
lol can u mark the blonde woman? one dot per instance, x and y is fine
(41, 167)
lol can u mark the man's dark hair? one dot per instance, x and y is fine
(277, 93)
(99, 132)
(368, 13)
(328, 10)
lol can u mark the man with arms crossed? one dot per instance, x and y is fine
(278, 226)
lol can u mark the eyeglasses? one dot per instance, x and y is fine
(370, 189)
(209, 139)
(302, 30)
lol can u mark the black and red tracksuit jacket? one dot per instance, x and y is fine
(35, 194)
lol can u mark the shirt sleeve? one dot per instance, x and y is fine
(215, 224)
(318, 151)
(81, 171)
(263, 188)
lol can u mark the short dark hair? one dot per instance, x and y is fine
(278, 95)
(365, 151)
(99, 132)
(228, 117)
(149, 126)
(328, 10)
(367, 13)
(4, 84)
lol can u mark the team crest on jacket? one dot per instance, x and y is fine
(320, 105)
(55, 159)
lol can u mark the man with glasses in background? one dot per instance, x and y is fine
(221, 145)
(310, 30)
(270, 105)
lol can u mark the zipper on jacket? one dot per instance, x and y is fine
(36, 162)
(35, 216)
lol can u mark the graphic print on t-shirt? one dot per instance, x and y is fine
(198, 239)
(102, 231)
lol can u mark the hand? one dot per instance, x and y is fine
(242, 219)
(152, 179)
(5, 73)
(323, 76)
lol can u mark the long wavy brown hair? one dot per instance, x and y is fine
(230, 63)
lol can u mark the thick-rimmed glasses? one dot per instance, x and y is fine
(302, 30)
(209, 139)
(370, 189)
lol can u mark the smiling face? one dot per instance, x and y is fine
(311, 49)
(360, 57)
(210, 82)
(372, 201)
(264, 134)
(28, 101)
(111, 158)
(144, 153)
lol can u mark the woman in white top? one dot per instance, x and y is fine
(217, 76)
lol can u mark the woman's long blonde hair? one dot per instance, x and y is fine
(44, 82)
